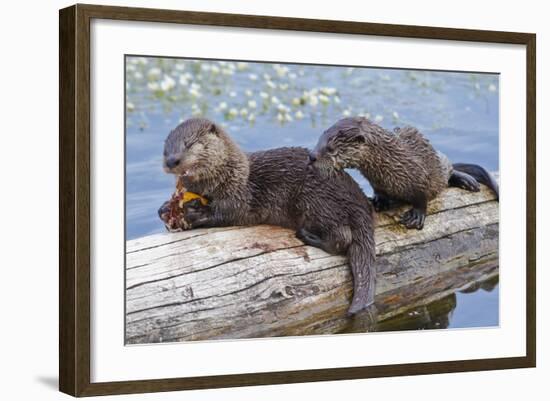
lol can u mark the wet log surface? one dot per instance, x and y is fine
(260, 281)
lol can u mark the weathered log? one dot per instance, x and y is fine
(247, 282)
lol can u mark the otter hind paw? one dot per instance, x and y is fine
(308, 238)
(414, 218)
(464, 181)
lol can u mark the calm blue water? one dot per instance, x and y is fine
(265, 105)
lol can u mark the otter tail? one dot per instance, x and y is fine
(480, 174)
(361, 255)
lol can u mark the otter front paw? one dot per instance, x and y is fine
(413, 218)
(197, 216)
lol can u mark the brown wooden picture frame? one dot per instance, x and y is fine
(74, 199)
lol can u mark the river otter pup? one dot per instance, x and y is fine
(278, 187)
(402, 167)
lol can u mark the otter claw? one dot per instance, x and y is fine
(413, 218)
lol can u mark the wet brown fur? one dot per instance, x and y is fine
(401, 166)
(279, 187)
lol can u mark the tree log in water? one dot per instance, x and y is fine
(260, 281)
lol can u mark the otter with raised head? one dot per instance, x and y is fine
(277, 187)
(402, 167)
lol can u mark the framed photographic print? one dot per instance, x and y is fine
(251, 200)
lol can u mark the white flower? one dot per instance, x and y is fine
(288, 117)
(378, 118)
(248, 92)
(299, 115)
(296, 101)
(283, 108)
(154, 73)
(281, 70)
(395, 115)
(313, 100)
(130, 106)
(242, 66)
(195, 86)
(324, 99)
(280, 117)
(232, 94)
(244, 112)
(194, 92)
(138, 75)
(337, 99)
(252, 104)
(274, 100)
(222, 106)
(168, 83)
(328, 91)
(251, 117)
(252, 77)
(215, 69)
(346, 113)
(283, 87)
(233, 112)
(492, 88)
(271, 84)
(183, 80)
(264, 95)
(154, 86)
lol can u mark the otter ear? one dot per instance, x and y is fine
(213, 129)
(359, 138)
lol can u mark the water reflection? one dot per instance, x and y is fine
(451, 311)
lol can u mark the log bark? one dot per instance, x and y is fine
(260, 281)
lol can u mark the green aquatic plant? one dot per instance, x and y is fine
(245, 93)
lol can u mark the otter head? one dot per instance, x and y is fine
(195, 149)
(340, 146)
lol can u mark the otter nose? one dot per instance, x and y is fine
(172, 162)
(312, 157)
